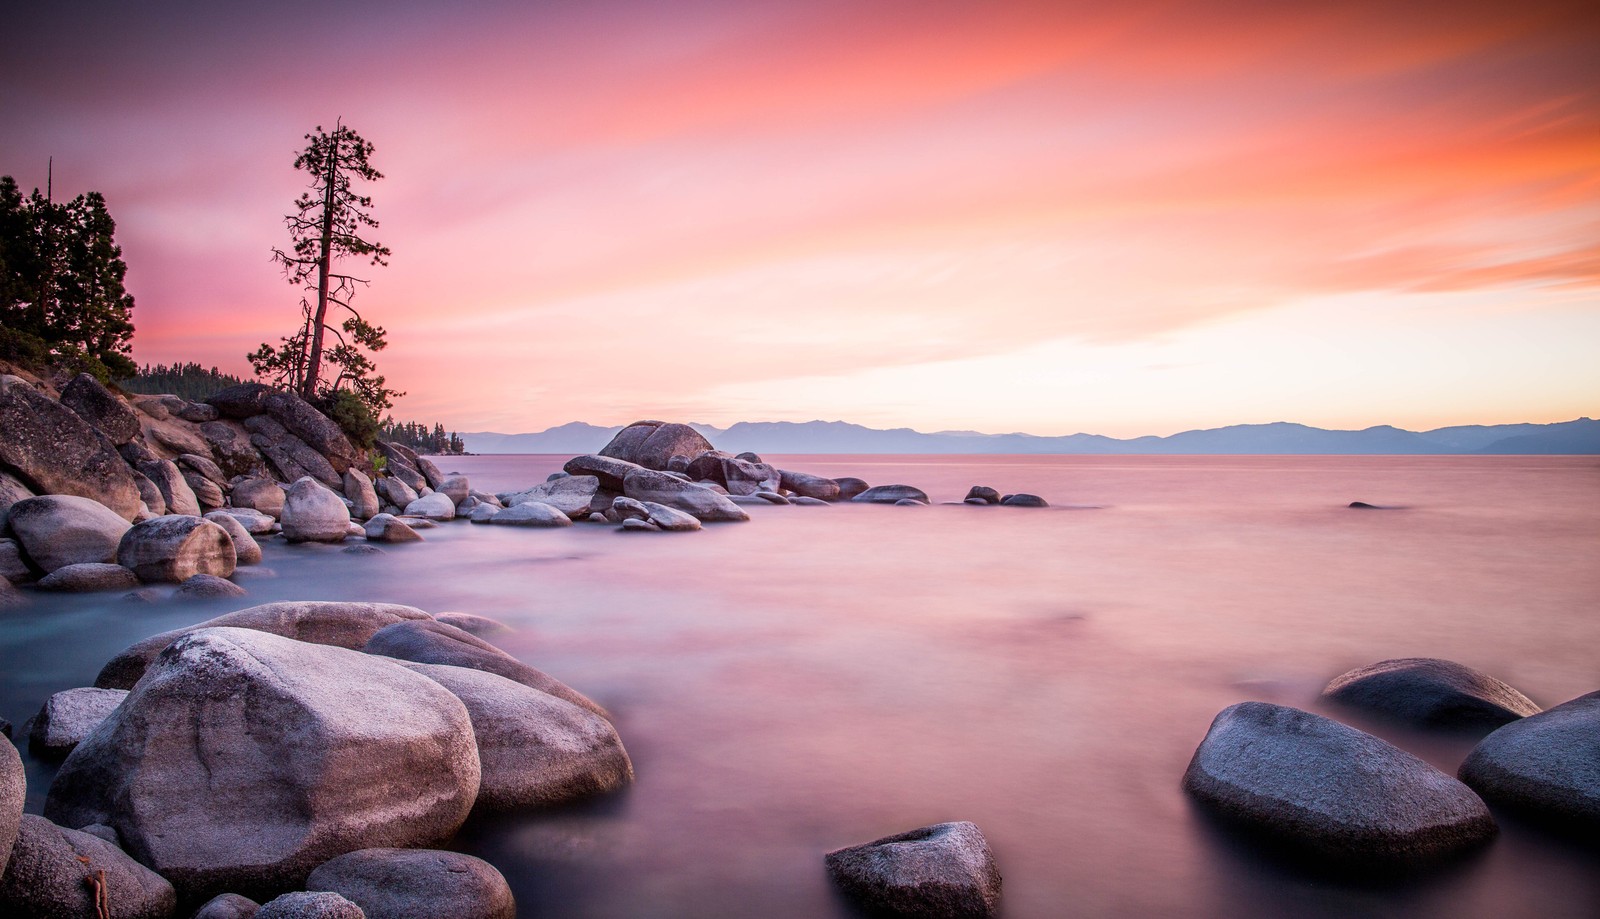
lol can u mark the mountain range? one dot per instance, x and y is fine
(1282, 438)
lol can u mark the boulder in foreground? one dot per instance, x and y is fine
(56, 452)
(944, 871)
(417, 884)
(1330, 789)
(1546, 766)
(60, 530)
(54, 873)
(1429, 692)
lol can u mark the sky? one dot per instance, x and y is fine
(1123, 218)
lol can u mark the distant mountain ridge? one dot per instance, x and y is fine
(1581, 436)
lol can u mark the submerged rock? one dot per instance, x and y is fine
(417, 884)
(849, 487)
(1430, 692)
(1024, 500)
(529, 514)
(890, 494)
(981, 494)
(944, 871)
(1330, 789)
(175, 548)
(1546, 766)
(808, 485)
(207, 587)
(67, 718)
(60, 530)
(57, 873)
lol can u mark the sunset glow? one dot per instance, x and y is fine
(1121, 218)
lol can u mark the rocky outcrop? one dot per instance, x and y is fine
(230, 445)
(246, 400)
(175, 548)
(96, 405)
(67, 718)
(57, 873)
(891, 494)
(89, 577)
(738, 476)
(417, 884)
(1546, 766)
(1430, 692)
(944, 871)
(54, 451)
(60, 530)
(701, 503)
(288, 454)
(572, 495)
(311, 427)
(1319, 786)
(402, 464)
(609, 470)
(312, 513)
(652, 443)
(243, 760)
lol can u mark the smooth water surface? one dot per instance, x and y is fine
(822, 676)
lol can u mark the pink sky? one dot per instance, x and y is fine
(1126, 218)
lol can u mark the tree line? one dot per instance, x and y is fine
(420, 437)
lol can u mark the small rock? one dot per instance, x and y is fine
(361, 549)
(1432, 693)
(89, 577)
(1024, 500)
(388, 528)
(207, 587)
(416, 523)
(67, 718)
(436, 506)
(531, 514)
(889, 494)
(1545, 765)
(659, 516)
(982, 494)
(909, 502)
(142, 596)
(307, 905)
(944, 871)
(228, 906)
(246, 551)
(417, 884)
(772, 497)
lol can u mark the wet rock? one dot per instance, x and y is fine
(54, 873)
(425, 641)
(174, 548)
(472, 623)
(1546, 766)
(1318, 785)
(436, 506)
(60, 530)
(531, 514)
(243, 760)
(808, 485)
(610, 471)
(945, 870)
(536, 749)
(175, 491)
(96, 405)
(341, 624)
(207, 587)
(312, 513)
(982, 494)
(660, 515)
(246, 551)
(1430, 692)
(362, 549)
(143, 596)
(386, 528)
(89, 577)
(52, 450)
(890, 494)
(231, 447)
(308, 905)
(68, 717)
(228, 906)
(701, 503)
(571, 495)
(262, 495)
(849, 487)
(13, 791)
(484, 513)
(652, 443)
(1024, 500)
(358, 488)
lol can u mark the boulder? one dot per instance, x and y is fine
(401, 462)
(230, 445)
(1546, 766)
(529, 514)
(202, 466)
(206, 587)
(311, 427)
(60, 530)
(890, 494)
(572, 495)
(1317, 785)
(425, 641)
(386, 528)
(738, 476)
(652, 443)
(243, 760)
(13, 792)
(89, 577)
(174, 548)
(228, 906)
(11, 597)
(808, 485)
(944, 871)
(639, 525)
(95, 404)
(484, 513)
(288, 454)
(68, 717)
(1024, 500)
(981, 494)
(260, 494)
(397, 491)
(362, 549)
(417, 884)
(661, 516)
(57, 873)
(849, 487)
(536, 749)
(430, 472)
(436, 506)
(199, 413)
(205, 491)
(1430, 692)
(306, 905)
(749, 457)
(609, 470)
(245, 400)
(253, 521)
(481, 626)
(13, 570)
(154, 501)
(312, 513)
(457, 487)
(176, 436)
(677, 462)
(324, 622)
(12, 490)
(151, 405)
(661, 488)
(175, 491)
(246, 551)
(358, 488)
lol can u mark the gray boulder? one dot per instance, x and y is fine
(253, 521)
(738, 476)
(457, 487)
(96, 405)
(154, 501)
(1024, 500)
(89, 577)
(701, 503)
(12, 490)
(54, 451)
(436, 506)
(397, 491)
(13, 569)
(425, 641)
(572, 495)
(890, 494)
(57, 873)
(203, 466)
(199, 413)
(60, 530)
(639, 525)
(944, 871)
(230, 445)
(243, 760)
(661, 516)
(341, 624)
(311, 427)
(288, 454)
(417, 884)
(609, 470)
(246, 551)
(849, 487)
(529, 514)
(68, 717)
(484, 513)
(808, 485)
(175, 491)
(1546, 766)
(981, 494)
(1430, 692)
(388, 528)
(430, 472)
(259, 494)
(175, 548)
(307, 905)
(403, 463)
(206, 587)
(536, 749)
(312, 513)
(245, 400)
(481, 626)
(176, 436)
(652, 443)
(358, 488)
(228, 906)
(1317, 785)
(206, 492)
(13, 792)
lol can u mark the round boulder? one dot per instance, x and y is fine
(263, 495)
(417, 884)
(175, 548)
(944, 871)
(849, 487)
(312, 513)
(981, 494)
(1024, 500)
(57, 873)
(890, 494)
(246, 550)
(808, 485)
(89, 577)
(60, 530)
(207, 587)
(306, 905)
(652, 443)
(1318, 785)
(435, 506)
(1546, 765)
(1430, 692)
(228, 906)
(388, 528)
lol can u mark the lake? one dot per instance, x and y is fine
(823, 676)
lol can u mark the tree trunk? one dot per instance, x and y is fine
(308, 389)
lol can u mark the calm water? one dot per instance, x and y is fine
(824, 676)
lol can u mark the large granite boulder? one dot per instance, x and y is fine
(808, 485)
(260, 494)
(1430, 692)
(458, 487)
(206, 492)
(417, 884)
(13, 792)
(96, 405)
(609, 470)
(572, 495)
(430, 472)
(425, 641)
(245, 400)
(435, 506)
(525, 514)
(341, 624)
(67, 717)
(944, 871)
(1317, 785)
(312, 513)
(203, 466)
(254, 522)
(396, 491)
(981, 494)
(246, 551)
(288, 454)
(849, 487)
(389, 528)
(231, 447)
(243, 760)
(174, 548)
(1546, 766)
(739, 476)
(57, 873)
(301, 904)
(652, 443)
(891, 494)
(659, 515)
(313, 428)
(701, 503)
(176, 493)
(358, 488)
(60, 530)
(535, 749)
(401, 463)
(89, 577)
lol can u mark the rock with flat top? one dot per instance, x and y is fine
(68, 717)
(572, 495)
(1546, 766)
(1429, 692)
(944, 871)
(529, 514)
(417, 884)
